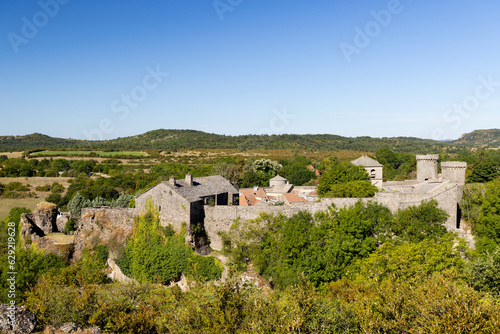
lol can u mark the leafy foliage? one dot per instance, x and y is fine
(410, 261)
(484, 171)
(155, 255)
(321, 247)
(416, 223)
(345, 180)
(484, 273)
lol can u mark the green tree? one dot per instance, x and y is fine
(410, 261)
(76, 204)
(266, 166)
(345, 180)
(487, 228)
(484, 273)
(417, 223)
(483, 171)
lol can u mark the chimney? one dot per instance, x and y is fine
(172, 181)
(189, 179)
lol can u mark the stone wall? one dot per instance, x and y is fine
(220, 218)
(447, 195)
(454, 171)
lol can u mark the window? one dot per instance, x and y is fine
(373, 174)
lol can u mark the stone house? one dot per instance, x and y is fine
(181, 201)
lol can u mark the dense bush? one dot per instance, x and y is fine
(156, 255)
(345, 180)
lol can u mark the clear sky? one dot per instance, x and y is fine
(106, 69)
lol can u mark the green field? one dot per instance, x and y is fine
(87, 153)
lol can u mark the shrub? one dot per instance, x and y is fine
(45, 187)
(203, 268)
(57, 188)
(54, 198)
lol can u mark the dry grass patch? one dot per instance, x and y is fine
(7, 204)
(61, 238)
(12, 155)
(38, 181)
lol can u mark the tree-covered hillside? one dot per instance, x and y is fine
(191, 139)
(480, 138)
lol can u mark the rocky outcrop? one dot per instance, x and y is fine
(16, 320)
(71, 327)
(35, 227)
(105, 225)
(44, 220)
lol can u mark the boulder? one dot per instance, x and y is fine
(16, 320)
(45, 217)
(68, 327)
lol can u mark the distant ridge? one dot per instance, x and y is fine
(163, 139)
(480, 138)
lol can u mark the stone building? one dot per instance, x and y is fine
(427, 167)
(181, 201)
(454, 171)
(373, 168)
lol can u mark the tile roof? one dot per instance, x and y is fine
(293, 198)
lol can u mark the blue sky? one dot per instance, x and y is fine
(107, 69)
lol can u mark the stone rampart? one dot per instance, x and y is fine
(220, 218)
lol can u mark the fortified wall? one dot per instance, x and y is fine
(447, 194)
(115, 224)
(219, 218)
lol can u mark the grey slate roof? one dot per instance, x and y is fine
(366, 162)
(202, 187)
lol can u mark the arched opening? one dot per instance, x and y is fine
(373, 174)
(459, 216)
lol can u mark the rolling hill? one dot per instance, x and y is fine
(163, 139)
(480, 138)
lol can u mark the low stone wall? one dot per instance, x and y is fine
(117, 274)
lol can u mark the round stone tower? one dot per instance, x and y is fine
(454, 171)
(427, 167)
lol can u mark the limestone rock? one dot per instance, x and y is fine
(45, 217)
(68, 327)
(24, 323)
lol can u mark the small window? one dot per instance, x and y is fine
(159, 207)
(373, 174)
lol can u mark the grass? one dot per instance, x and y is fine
(87, 153)
(12, 155)
(61, 238)
(37, 181)
(7, 204)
